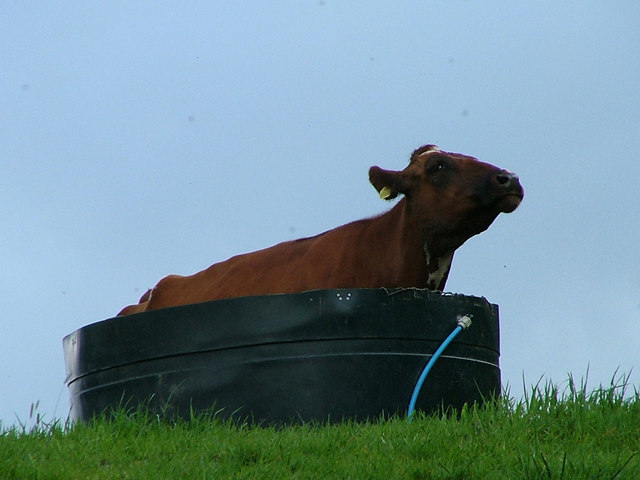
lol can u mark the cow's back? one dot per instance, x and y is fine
(328, 260)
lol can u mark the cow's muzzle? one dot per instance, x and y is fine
(511, 192)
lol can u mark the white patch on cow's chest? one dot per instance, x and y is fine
(437, 268)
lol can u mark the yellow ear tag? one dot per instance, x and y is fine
(385, 192)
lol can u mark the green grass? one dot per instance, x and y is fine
(551, 433)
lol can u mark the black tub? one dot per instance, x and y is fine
(319, 355)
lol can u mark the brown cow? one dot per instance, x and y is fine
(448, 198)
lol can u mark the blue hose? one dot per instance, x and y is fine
(463, 322)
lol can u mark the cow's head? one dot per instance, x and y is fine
(449, 196)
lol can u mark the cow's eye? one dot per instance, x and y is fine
(436, 167)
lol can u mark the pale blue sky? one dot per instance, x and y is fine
(139, 139)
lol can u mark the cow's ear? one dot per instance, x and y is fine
(388, 183)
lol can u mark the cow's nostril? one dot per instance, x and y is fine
(505, 178)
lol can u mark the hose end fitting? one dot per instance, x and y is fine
(464, 321)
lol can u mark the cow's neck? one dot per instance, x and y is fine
(420, 265)
(437, 268)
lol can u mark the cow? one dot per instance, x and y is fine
(447, 198)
